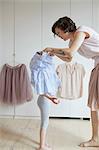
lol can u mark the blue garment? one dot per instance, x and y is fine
(43, 74)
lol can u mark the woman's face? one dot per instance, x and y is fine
(60, 33)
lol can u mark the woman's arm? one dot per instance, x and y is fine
(78, 40)
(65, 57)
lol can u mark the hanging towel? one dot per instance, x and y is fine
(43, 74)
(15, 87)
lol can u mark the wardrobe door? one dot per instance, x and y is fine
(1, 28)
(95, 14)
(79, 107)
(6, 44)
(27, 42)
(51, 11)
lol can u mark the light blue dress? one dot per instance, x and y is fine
(43, 75)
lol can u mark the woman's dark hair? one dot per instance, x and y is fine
(65, 24)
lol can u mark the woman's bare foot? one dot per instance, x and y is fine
(90, 143)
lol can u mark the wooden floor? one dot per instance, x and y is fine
(63, 134)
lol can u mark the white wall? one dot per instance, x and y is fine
(25, 26)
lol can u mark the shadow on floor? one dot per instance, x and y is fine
(10, 136)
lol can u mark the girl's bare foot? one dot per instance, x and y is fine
(47, 147)
(90, 143)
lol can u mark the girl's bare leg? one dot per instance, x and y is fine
(43, 145)
(44, 105)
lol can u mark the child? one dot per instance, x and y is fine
(46, 84)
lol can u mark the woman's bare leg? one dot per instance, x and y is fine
(94, 142)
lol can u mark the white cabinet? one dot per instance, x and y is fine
(52, 10)
(26, 27)
(20, 30)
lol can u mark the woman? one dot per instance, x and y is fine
(85, 41)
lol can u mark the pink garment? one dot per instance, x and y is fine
(15, 87)
(93, 98)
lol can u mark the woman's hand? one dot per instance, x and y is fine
(48, 49)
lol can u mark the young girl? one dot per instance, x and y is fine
(85, 41)
(46, 83)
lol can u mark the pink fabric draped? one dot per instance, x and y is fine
(15, 86)
(93, 99)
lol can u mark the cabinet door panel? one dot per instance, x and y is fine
(27, 42)
(6, 43)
